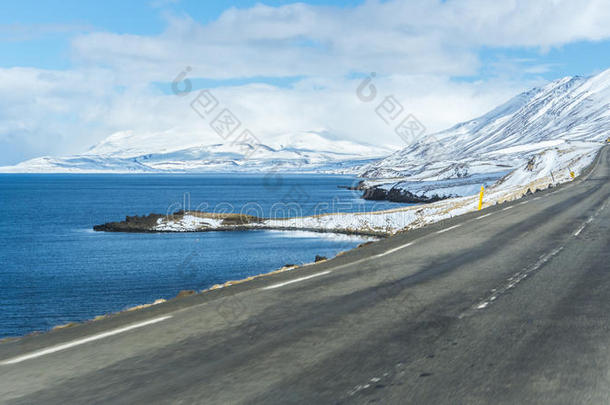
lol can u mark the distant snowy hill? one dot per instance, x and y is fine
(557, 115)
(125, 152)
(569, 111)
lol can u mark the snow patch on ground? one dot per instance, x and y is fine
(187, 223)
(554, 163)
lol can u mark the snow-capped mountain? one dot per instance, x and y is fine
(569, 110)
(566, 110)
(180, 152)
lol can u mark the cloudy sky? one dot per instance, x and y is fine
(74, 72)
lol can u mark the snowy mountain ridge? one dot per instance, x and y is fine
(564, 111)
(130, 152)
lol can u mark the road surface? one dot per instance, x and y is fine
(508, 305)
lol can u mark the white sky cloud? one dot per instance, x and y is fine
(416, 48)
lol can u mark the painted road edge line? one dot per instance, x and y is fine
(396, 249)
(296, 280)
(507, 208)
(512, 282)
(78, 342)
(483, 216)
(579, 230)
(450, 228)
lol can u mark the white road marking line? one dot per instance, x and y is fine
(590, 219)
(512, 282)
(395, 249)
(78, 342)
(448, 229)
(507, 208)
(537, 198)
(296, 280)
(483, 216)
(579, 230)
(523, 202)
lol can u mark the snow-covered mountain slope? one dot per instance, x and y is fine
(566, 110)
(179, 152)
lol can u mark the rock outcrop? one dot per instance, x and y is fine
(136, 223)
(399, 195)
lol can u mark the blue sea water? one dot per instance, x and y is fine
(56, 269)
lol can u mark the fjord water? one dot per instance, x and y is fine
(55, 269)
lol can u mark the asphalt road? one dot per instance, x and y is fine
(509, 305)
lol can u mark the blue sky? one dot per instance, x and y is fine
(38, 33)
(51, 49)
(74, 72)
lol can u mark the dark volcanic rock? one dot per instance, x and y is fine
(375, 193)
(135, 223)
(399, 195)
(320, 258)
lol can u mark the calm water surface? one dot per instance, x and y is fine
(55, 269)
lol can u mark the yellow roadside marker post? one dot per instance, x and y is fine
(481, 198)
(572, 175)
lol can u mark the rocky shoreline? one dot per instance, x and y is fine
(139, 224)
(211, 222)
(399, 195)
(394, 194)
